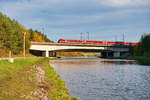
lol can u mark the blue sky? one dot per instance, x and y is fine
(103, 19)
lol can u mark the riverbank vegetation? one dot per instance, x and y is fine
(70, 54)
(141, 52)
(11, 37)
(31, 79)
(143, 60)
(143, 48)
(77, 54)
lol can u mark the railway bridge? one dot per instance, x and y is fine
(47, 48)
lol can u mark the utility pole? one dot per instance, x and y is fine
(88, 35)
(5, 12)
(43, 32)
(123, 38)
(81, 36)
(24, 37)
(115, 37)
(43, 29)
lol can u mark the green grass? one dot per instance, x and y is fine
(14, 78)
(18, 79)
(58, 90)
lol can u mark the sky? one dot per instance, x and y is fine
(103, 19)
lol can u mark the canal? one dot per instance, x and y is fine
(104, 79)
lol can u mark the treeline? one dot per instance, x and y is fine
(11, 38)
(37, 36)
(143, 48)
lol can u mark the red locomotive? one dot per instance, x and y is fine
(96, 42)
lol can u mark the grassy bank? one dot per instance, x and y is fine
(19, 81)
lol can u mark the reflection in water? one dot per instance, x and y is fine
(118, 61)
(104, 79)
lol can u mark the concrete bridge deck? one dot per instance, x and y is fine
(54, 47)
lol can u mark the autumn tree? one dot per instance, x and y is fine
(35, 36)
(11, 38)
(38, 36)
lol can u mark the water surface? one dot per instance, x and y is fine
(104, 79)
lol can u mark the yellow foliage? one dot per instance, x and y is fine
(70, 54)
(35, 36)
(40, 38)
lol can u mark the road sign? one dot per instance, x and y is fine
(24, 33)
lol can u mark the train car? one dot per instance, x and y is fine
(62, 41)
(135, 43)
(131, 43)
(96, 42)
(119, 43)
(70, 41)
(92, 41)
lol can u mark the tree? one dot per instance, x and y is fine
(35, 36)
(11, 38)
(40, 38)
(143, 48)
(145, 45)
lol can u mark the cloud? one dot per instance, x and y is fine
(125, 3)
(75, 16)
(117, 3)
(30, 7)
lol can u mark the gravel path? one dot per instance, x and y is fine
(42, 92)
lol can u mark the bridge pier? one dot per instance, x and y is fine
(116, 54)
(52, 54)
(47, 53)
(106, 54)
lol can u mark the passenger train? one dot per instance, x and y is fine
(96, 42)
